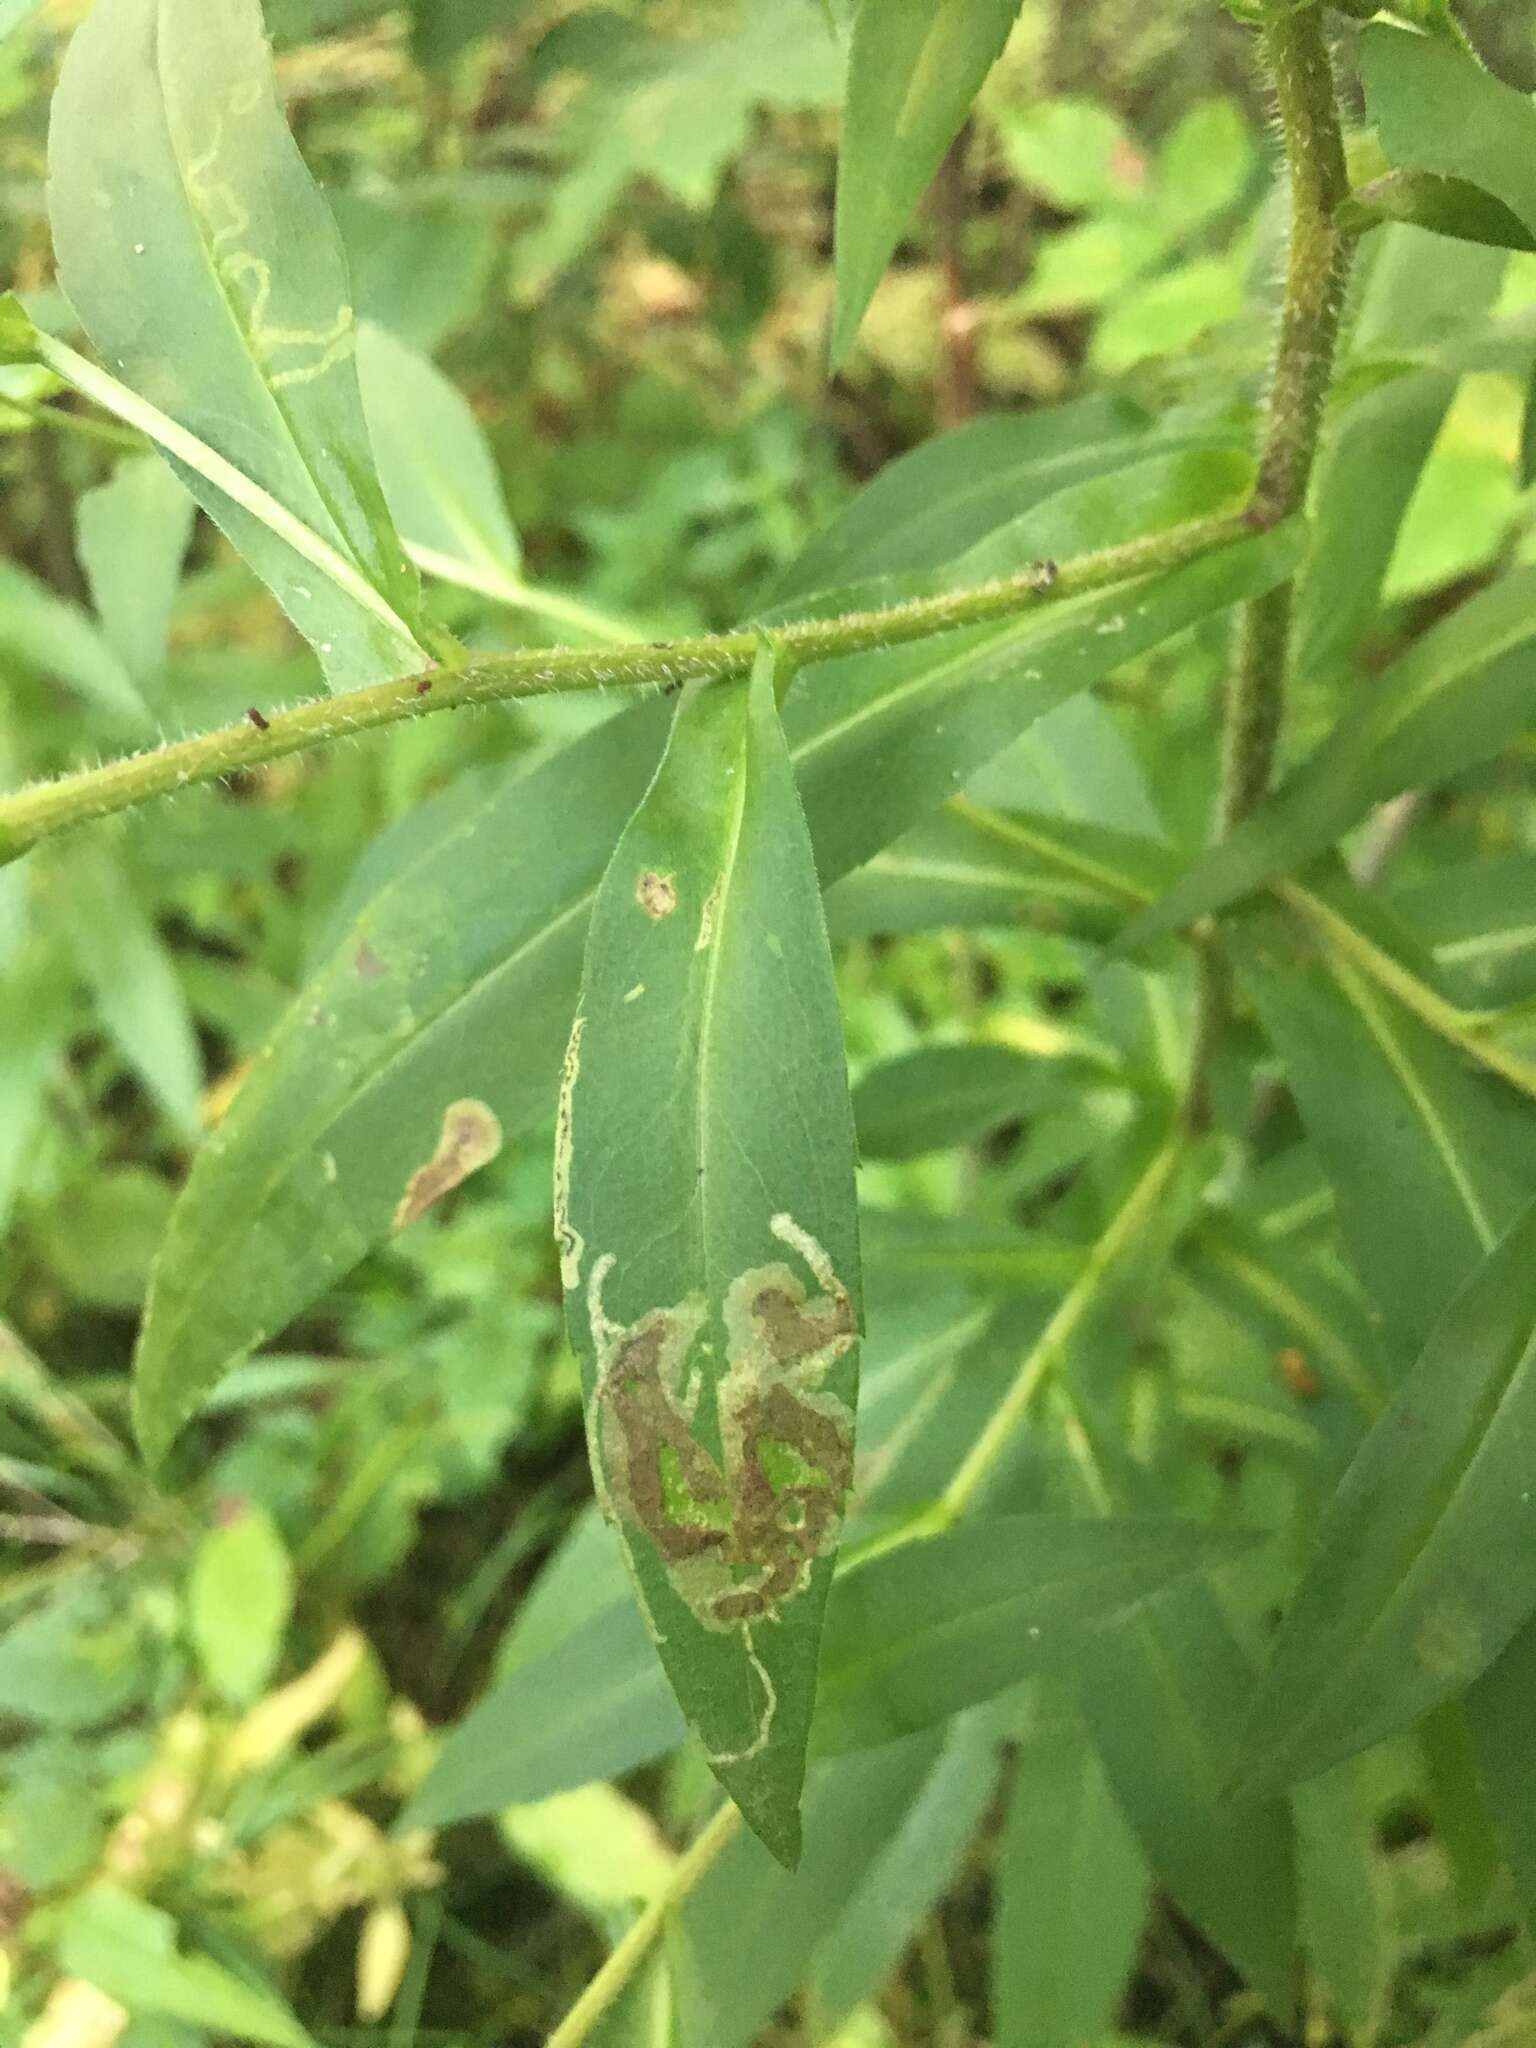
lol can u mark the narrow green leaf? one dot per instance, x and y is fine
(1072, 1890)
(1425, 1564)
(1498, 1709)
(49, 633)
(914, 67)
(1443, 206)
(125, 964)
(1457, 697)
(593, 1705)
(705, 1211)
(131, 536)
(437, 469)
(1429, 1159)
(1477, 919)
(1162, 1690)
(446, 984)
(920, 1632)
(1350, 1911)
(950, 492)
(750, 1929)
(206, 268)
(974, 866)
(1370, 468)
(913, 1636)
(913, 1870)
(127, 1948)
(1436, 109)
(940, 1095)
(239, 1599)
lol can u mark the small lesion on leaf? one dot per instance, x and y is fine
(656, 893)
(470, 1138)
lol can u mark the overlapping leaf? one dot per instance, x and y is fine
(206, 268)
(450, 983)
(707, 1222)
(1425, 1564)
(1436, 109)
(914, 66)
(1458, 696)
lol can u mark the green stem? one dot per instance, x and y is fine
(636, 1944)
(1317, 261)
(1050, 1347)
(35, 814)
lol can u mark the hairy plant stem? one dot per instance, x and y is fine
(1317, 261)
(35, 814)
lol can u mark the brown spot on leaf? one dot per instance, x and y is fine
(656, 894)
(1298, 1375)
(366, 964)
(471, 1138)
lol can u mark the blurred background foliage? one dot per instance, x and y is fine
(611, 228)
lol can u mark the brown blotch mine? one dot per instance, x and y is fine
(366, 964)
(471, 1138)
(656, 894)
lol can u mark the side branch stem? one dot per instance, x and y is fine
(35, 814)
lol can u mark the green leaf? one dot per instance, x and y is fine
(950, 492)
(1429, 1159)
(706, 1217)
(435, 464)
(131, 536)
(1436, 109)
(1350, 1911)
(49, 633)
(750, 1928)
(1457, 697)
(206, 268)
(914, 67)
(1072, 1890)
(1498, 1710)
(127, 1948)
(593, 1705)
(973, 866)
(444, 984)
(913, 1869)
(925, 1630)
(1477, 919)
(1425, 1564)
(913, 1636)
(1162, 1691)
(1442, 206)
(1367, 476)
(1067, 150)
(940, 1095)
(239, 1599)
(129, 972)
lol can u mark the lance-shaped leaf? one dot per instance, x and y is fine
(1429, 1158)
(1425, 1565)
(913, 69)
(1457, 697)
(705, 1212)
(207, 270)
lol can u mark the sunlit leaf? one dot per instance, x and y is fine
(1437, 109)
(206, 268)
